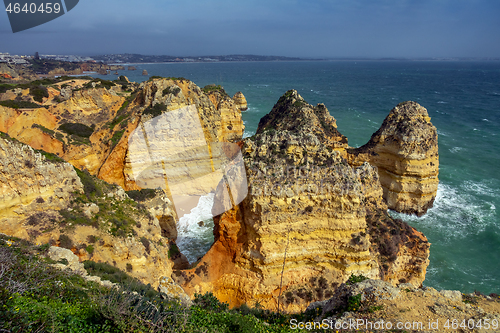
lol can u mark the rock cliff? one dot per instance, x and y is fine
(310, 220)
(405, 150)
(45, 200)
(89, 123)
(315, 211)
(240, 101)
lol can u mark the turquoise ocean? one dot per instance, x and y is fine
(463, 101)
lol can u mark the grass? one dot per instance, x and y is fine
(36, 297)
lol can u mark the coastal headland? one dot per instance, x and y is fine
(314, 217)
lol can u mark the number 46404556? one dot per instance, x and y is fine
(33, 8)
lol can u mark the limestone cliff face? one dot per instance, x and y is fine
(106, 116)
(240, 101)
(293, 114)
(42, 200)
(28, 184)
(405, 150)
(231, 122)
(310, 220)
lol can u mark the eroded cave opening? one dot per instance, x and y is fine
(194, 233)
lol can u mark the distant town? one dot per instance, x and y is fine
(127, 58)
(136, 58)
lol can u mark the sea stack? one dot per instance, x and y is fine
(405, 150)
(310, 220)
(145, 72)
(240, 101)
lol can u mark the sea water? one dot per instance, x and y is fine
(463, 100)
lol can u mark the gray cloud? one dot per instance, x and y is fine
(376, 28)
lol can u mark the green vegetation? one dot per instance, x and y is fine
(89, 183)
(4, 87)
(116, 216)
(353, 303)
(173, 250)
(39, 93)
(50, 157)
(44, 66)
(99, 83)
(81, 130)
(353, 279)
(43, 129)
(156, 110)
(142, 195)
(36, 297)
(116, 137)
(171, 90)
(121, 115)
(213, 87)
(154, 77)
(14, 104)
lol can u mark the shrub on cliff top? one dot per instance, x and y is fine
(155, 110)
(171, 90)
(20, 104)
(213, 87)
(38, 93)
(77, 129)
(141, 195)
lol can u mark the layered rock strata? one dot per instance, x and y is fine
(405, 150)
(240, 101)
(308, 221)
(89, 123)
(43, 199)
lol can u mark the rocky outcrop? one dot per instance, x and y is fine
(29, 183)
(310, 220)
(405, 150)
(373, 305)
(43, 199)
(231, 122)
(291, 113)
(89, 123)
(240, 101)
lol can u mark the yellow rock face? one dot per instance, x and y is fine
(28, 183)
(240, 101)
(231, 122)
(405, 150)
(310, 220)
(34, 190)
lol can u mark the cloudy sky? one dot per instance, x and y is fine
(314, 28)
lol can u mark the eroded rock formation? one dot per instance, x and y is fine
(314, 215)
(240, 101)
(405, 150)
(310, 220)
(44, 200)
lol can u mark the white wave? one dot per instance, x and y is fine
(455, 149)
(481, 188)
(457, 213)
(442, 102)
(442, 133)
(195, 238)
(486, 120)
